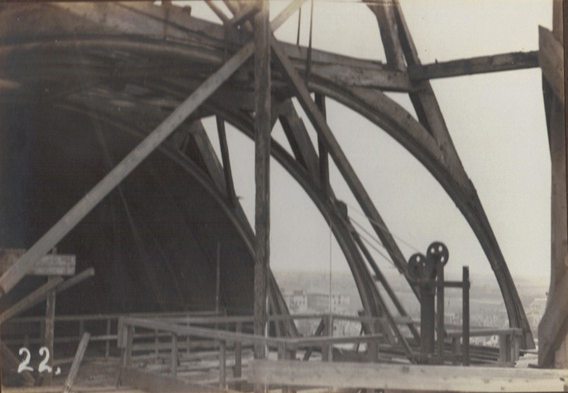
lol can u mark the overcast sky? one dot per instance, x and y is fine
(496, 121)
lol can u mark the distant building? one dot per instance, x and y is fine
(340, 301)
(297, 301)
(318, 301)
(301, 301)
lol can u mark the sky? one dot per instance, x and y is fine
(496, 121)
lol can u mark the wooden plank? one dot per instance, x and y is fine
(358, 76)
(283, 16)
(76, 279)
(30, 300)
(154, 383)
(49, 265)
(227, 172)
(406, 377)
(49, 332)
(298, 138)
(484, 332)
(551, 59)
(383, 9)
(14, 274)
(59, 389)
(474, 65)
(70, 380)
(262, 125)
(303, 342)
(214, 334)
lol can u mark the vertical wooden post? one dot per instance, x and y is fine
(559, 216)
(440, 312)
(503, 349)
(553, 333)
(188, 343)
(129, 339)
(174, 356)
(49, 332)
(455, 349)
(122, 343)
(281, 351)
(237, 373)
(262, 123)
(373, 350)
(107, 341)
(218, 279)
(283, 355)
(515, 347)
(156, 344)
(222, 364)
(325, 352)
(427, 319)
(465, 315)
(292, 354)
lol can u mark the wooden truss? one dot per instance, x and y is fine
(184, 49)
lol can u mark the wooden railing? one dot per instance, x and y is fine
(509, 341)
(27, 331)
(139, 337)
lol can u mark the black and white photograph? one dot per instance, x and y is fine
(297, 196)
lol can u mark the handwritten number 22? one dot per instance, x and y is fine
(24, 365)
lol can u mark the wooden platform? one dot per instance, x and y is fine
(78, 389)
(415, 378)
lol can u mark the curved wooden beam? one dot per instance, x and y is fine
(234, 214)
(203, 43)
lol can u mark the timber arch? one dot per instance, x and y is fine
(91, 45)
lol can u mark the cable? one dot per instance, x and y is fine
(299, 23)
(372, 246)
(309, 56)
(381, 225)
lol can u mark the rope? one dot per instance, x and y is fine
(377, 250)
(299, 23)
(382, 226)
(309, 57)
